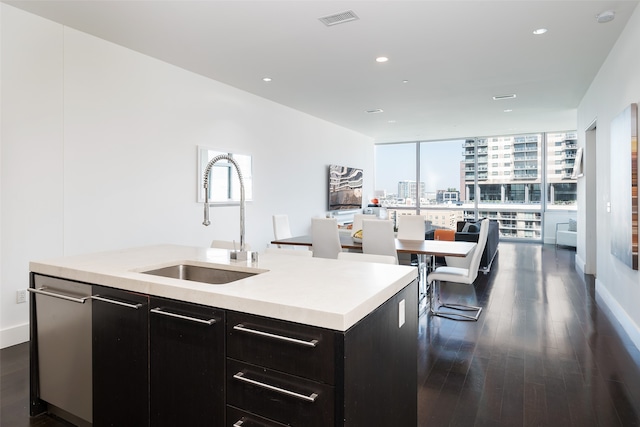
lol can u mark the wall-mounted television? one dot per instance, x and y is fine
(345, 188)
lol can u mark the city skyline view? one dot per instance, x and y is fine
(512, 179)
(436, 174)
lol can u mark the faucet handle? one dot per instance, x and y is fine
(206, 221)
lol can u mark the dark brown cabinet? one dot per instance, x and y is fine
(283, 373)
(120, 358)
(186, 364)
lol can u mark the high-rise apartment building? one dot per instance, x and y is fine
(510, 172)
(407, 190)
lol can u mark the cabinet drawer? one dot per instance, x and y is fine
(240, 418)
(280, 397)
(300, 350)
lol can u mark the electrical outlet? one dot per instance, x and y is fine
(21, 296)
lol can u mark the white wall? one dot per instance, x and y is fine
(32, 157)
(99, 149)
(615, 87)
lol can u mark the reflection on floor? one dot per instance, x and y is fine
(542, 353)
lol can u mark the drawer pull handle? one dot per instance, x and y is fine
(312, 398)
(159, 310)
(42, 291)
(111, 301)
(242, 328)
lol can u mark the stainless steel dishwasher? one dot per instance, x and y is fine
(63, 313)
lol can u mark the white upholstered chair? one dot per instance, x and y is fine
(411, 227)
(378, 238)
(357, 221)
(281, 228)
(464, 274)
(361, 257)
(325, 238)
(281, 251)
(567, 234)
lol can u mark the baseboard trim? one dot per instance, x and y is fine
(580, 264)
(14, 335)
(620, 316)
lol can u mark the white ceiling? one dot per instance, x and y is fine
(455, 55)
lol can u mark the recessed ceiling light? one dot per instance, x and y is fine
(266, 79)
(391, 121)
(500, 97)
(375, 110)
(507, 110)
(539, 31)
(606, 16)
(405, 81)
(382, 59)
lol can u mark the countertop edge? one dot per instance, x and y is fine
(82, 269)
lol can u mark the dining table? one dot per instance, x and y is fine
(434, 248)
(422, 248)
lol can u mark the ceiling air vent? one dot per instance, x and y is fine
(500, 97)
(339, 18)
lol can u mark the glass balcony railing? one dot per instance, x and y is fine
(525, 175)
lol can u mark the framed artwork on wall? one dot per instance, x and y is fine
(624, 186)
(578, 171)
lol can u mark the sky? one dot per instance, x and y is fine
(439, 165)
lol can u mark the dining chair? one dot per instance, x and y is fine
(325, 238)
(281, 229)
(362, 257)
(411, 227)
(378, 238)
(466, 275)
(282, 251)
(357, 221)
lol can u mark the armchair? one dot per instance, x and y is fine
(566, 234)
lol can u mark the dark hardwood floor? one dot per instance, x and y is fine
(542, 354)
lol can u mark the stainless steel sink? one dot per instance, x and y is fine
(211, 275)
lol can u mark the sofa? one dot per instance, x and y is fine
(470, 233)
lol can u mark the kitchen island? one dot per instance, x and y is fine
(295, 341)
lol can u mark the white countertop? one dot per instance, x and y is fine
(314, 291)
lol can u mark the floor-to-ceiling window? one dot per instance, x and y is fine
(512, 179)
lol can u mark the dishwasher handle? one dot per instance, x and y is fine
(41, 291)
